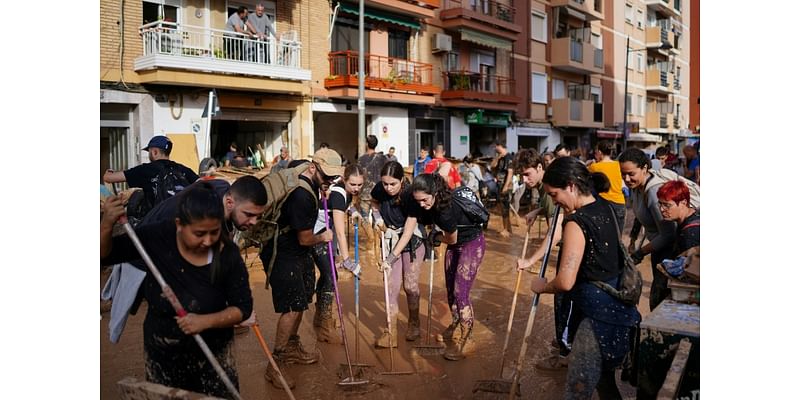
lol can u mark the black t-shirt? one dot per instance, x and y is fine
(299, 213)
(689, 233)
(168, 209)
(191, 284)
(141, 176)
(501, 172)
(338, 199)
(373, 164)
(395, 210)
(601, 255)
(453, 218)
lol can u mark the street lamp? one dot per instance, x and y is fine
(628, 51)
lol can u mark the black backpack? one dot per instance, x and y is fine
(169, 182)
(466, 199)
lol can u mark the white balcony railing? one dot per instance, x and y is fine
(167, 44)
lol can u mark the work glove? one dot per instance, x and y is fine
(637, 257)
(674, 267)
(387, 263)
(379, 225)
(354, 215)
(435, 238)
(351, 266)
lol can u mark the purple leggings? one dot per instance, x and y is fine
(461, 264)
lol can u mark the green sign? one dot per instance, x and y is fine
(463, 139)
(479, 117)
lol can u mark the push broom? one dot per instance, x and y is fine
(429, 349)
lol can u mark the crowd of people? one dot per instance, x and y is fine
(190, 237)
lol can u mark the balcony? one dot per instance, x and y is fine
(419, 9)
(666, 7)
(577, 113)
(577, 54)
(487, 16)
(183, 47)
(385, 78)
(474, 90)
(659, 80)
(660, 33)
(659, 122)
(593, 9)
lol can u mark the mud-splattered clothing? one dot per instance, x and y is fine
(405, 270)
(173, 358)
(461, 263)
(609, 319)
(339, 200)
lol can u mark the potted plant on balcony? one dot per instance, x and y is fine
(461, 81)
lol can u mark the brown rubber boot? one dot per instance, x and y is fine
(294, 353)
(448, 333)
(383, 341)
(412, 333)
(464, 345)
(327, 332)
(271, 374)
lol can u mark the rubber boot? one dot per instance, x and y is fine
(383, 340)
(271, 374)
(328, 332)
(464, 345)
(412, 333)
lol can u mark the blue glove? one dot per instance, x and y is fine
(674, 267)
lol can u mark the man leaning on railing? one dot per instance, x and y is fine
(260, 23)
(235, 43)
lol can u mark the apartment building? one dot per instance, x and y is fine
(160, 60)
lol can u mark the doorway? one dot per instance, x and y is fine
(113, 151)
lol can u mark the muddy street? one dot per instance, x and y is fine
(432, 377)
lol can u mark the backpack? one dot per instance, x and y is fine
(471, 205)
(279, 185)
(664, 175)
(630, 281)
(169, 181)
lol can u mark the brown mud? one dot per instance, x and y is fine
(434, 376)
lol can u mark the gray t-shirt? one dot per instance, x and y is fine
(262, 23)
(234, 20)
(661, 233)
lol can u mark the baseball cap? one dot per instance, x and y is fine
(329, 161)
(161, 142)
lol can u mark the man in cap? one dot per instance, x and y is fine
(146, 176)
(292, 276)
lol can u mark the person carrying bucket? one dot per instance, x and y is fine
(395, 213)
(207, 275)
(465, 250)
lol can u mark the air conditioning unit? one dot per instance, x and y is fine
(442, 42)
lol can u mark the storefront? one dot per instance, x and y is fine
(485, 129)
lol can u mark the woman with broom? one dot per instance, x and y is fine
(465, 250)
(590, 251)
(395, 213)
(209, 278)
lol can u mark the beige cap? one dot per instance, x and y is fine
(329, 161)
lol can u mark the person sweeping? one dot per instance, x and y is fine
(207, 275)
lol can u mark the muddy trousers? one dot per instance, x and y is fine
(405, 272)
(186, 367)
(566, 322)
(505, 209)
(461, 264)
(658, 289)
(324, 287)
(586, 372)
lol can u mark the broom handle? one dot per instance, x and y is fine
(388, 317)
(261, 341)
(358, 322)
(173, 300)
(514, 303)
(534, 305)
(336, 290)
(430, 296)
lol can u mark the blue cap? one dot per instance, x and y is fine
(161, 142)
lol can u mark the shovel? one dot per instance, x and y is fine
(501, 385)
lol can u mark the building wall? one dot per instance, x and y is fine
(458, 128)
(694, 86)
(130, 19)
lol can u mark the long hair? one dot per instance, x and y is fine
(353, 170)
(636, 156)
(565, 170)
(435, 185)
(395, 170)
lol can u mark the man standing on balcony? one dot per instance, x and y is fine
(234, 44)
(259, 22)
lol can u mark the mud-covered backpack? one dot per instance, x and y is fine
(629, 288)
(469, 202)
(265, 232)
(169, 181)
(665, 175)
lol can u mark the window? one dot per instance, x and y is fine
(677, 41)
(640, 19)
(558, 89)
(345, 35)
(452, 61)
(628, 102)
(677, 5)
(678, 76)
(155, 11)
(630, 57)
(629, 13)
(639, 62)
(538, 88)
(398, 44)
(539, 27)
(641, 104)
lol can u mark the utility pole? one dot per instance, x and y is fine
(362, 117)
